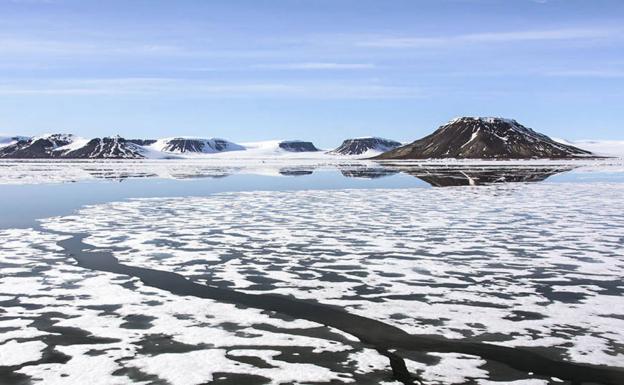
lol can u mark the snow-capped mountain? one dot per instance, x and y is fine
(43, 146)
(99, 148)
(71, 147)
(195, 145)
(474, 138)
(66, 146)
(485, 138)
(297, 146)
(371, 145)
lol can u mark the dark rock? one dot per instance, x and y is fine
(298, 146)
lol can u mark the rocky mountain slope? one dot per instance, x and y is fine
(359, 146)
(195, 145)
(485, 138)
(104, 148)
(45, 146)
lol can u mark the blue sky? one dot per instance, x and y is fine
(321, 70)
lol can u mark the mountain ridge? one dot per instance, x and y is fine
(484, 138)
(68, 146)
(463, 137)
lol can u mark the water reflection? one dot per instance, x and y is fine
(295, 171)
(436, 175)
(367, 172)
(471, 176)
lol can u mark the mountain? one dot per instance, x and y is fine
(36, 148)
(65, 146)
(484, 138)
(102, 148)
(359, 146)
(195, 145)
(68, 146)
(297, 146)
(142, 142)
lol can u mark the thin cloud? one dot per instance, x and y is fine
(316, 66)
(168, 87)
(599, 73)
(16, 45)
(490, 37)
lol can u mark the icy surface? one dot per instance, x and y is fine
(599, 147)
(15, 353)
(534, 265)
(109, 326)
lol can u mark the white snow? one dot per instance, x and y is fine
(199, 367)
(77, 143)
(474, 135)
(598, 147)
(16, 353)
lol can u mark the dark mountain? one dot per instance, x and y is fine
(101, 148)
(489, 138)
(297, 146)
(69, 147)
(36, 148)
(184, 145)
(142, 142)
(359, 146)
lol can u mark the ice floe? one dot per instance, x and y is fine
(533, 265)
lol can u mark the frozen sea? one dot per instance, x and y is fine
(311, 271)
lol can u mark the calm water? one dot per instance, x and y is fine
(42, 190)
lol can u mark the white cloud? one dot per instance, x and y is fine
(166, 87)
(316, 66)
(16, 45)
(589, 73)
(490, 37)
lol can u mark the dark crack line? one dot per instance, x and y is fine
(373, 333)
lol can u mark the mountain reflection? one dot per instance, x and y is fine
(367, 172)
(476, 176)
(437, 175)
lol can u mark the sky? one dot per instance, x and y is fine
(320, 70)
